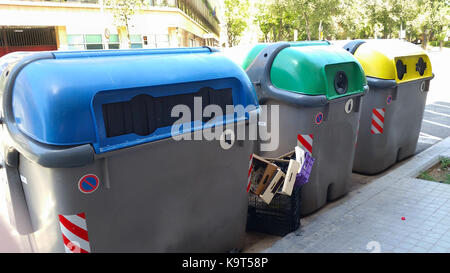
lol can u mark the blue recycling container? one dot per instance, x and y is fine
(93, 163)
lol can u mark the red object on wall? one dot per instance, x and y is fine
(4, 50)
(27, 39)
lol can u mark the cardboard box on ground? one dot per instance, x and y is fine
(271, 176)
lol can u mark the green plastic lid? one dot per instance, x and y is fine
(259, 47)
(315, 68)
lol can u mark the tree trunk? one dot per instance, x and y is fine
(128, 32)
(441, 45)
(425, 41)
(230, 37)
(308, 32)
(274, 33)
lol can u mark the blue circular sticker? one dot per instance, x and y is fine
(389, 99)
(319, 118)
(88, 183)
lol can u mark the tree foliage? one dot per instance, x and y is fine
(341, 19)
(236, 14)
(279, 18)
(432, 23)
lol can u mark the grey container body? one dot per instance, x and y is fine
(402, 123)
(333, 139)
(164, 196)
(161, 196)
(333, 147)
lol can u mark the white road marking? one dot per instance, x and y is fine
(440, 105)
(437, 123)
(437, 113)
(425, 135)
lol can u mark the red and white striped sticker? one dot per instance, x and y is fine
(250, 168)
(306, 141)
(377, 121)
(74, 233)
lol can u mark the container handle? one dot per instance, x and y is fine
(18, 212)
(353, 46)
(49, 156)
(381, 83)
(131, 52)
(259, 73)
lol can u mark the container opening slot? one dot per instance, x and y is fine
(143, 114)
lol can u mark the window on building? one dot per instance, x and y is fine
(162, 40)
(76, 42)
(149, 41)
(191, 42)
(83, 42)
(114, 42)
(145, 40)
(136, 41)
(93, 41)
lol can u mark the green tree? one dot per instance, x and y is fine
(123, 11)
(351, 21)
(313, 17)
(432, 23)
(427, 20)
(387, 17)
(278, 19)
(383, 16)
(236, 16)
(263, 19)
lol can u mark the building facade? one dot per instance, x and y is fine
(89, 24)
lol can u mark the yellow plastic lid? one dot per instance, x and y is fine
(394, 60)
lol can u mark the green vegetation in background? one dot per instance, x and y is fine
(445, 162)
(438, 43)
(430, 175)
(426, 176)
(289, 20)
(236, 14)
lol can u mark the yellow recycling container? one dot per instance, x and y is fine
(398, 74)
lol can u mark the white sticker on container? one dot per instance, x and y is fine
(23, 179)
(349, 106)
(422, 86)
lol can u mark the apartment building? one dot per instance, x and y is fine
(88, 24)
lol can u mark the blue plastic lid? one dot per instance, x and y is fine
(96, 97)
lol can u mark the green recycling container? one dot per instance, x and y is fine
(318, 89)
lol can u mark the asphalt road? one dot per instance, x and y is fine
(436, 119)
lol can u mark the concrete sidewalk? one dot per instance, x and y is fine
(372, 219)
